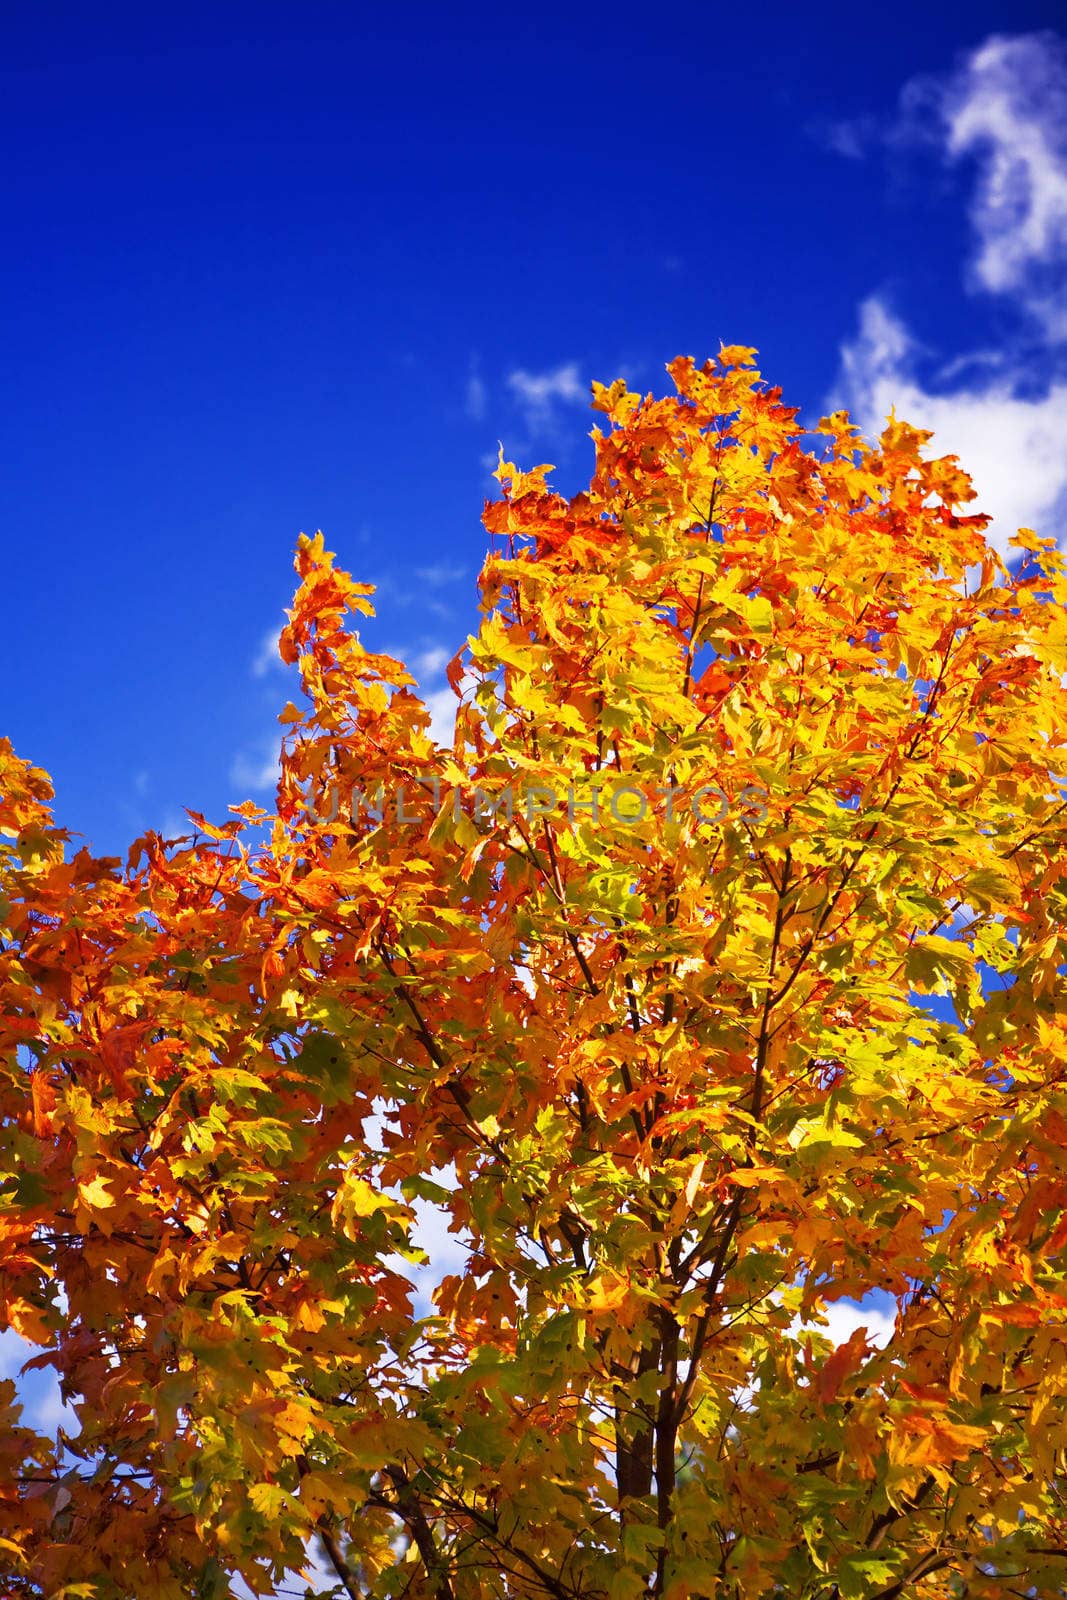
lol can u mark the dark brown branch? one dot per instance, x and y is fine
(411, 1510)
(346, 1576)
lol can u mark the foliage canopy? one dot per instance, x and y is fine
(666, 1066)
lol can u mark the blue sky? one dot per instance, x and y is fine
(275, 268)
(278, 268)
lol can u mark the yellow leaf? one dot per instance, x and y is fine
(95, 1194)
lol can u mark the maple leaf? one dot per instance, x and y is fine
(656, 1081)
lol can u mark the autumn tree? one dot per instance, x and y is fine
(757, 752)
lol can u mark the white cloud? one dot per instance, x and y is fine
(843, 1317)
(1003, 109)
(1007, 106)
(476, 398)
(428, 663)
(399, 593)
(839, 1319)
(1013, 446)
(447, 1251)
(851, 137)
(317, 1576)
(266, 657)
(37, 1392)
(47, 1411)
(442, 705)
(256, 772)
(539, 393)
(540, 388)
(441, 573)
(175, 825)
(14, 1350)
(441, 702)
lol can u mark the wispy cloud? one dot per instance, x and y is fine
(1002, 111)
(448, 1252)
(256, 772)
(174, 825)
(439, 574)
(442, 706)
(540, 393)
(541, 388)
(266, 657)
(1010, 442)
(440, 698)
(476, 399)
(37, 1392)
(1007, 107)
(428, 663)
(14, 1350)
(399, 593)
(851, 137)
(843, 1317)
